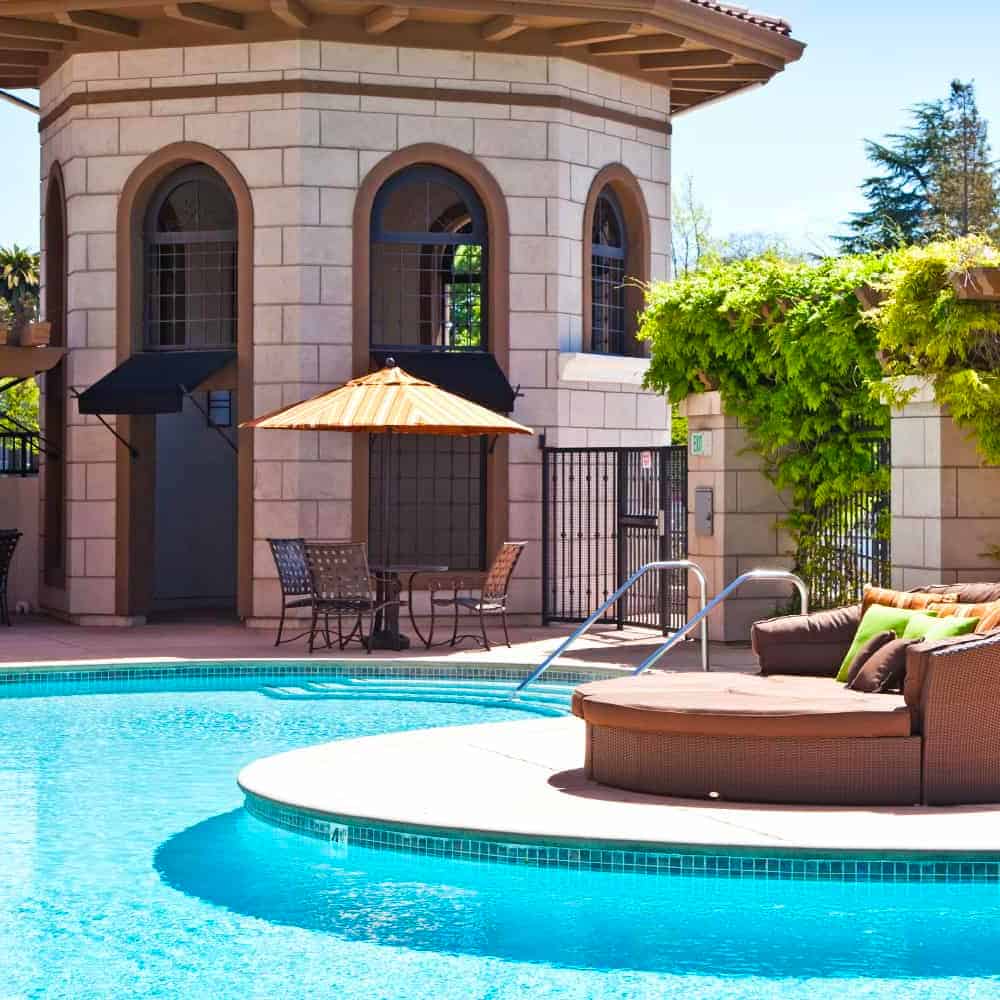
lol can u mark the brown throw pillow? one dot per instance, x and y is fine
(867, 651)
(884, 670)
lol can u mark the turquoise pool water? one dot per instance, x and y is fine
(128, 868)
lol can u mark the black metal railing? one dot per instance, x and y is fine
(606, 512)
(848, 544)
(18, 453)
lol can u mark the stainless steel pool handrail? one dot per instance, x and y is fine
(687, 564)
(706, 610)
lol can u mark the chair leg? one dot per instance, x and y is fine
(313, 628)
(429, 641)
(454, 631)
(482, 626)
(371, 632)
(506, 634)
(281, 625)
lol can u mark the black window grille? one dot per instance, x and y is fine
(436, 512)
(190, 259)
(607, 276)
(428, 263)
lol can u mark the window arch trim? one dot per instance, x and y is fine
(632, 203)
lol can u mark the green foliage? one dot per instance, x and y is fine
(678, 426)
(788, 346)
(925, 329)
(19, 305)
(465, 296)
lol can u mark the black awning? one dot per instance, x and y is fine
(154, 382)
(473, 375)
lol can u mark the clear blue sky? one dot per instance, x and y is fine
(786, 158)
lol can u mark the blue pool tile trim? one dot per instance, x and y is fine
(257, 670)
(690, 863)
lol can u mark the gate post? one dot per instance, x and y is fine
(945, 500)
(745, 531)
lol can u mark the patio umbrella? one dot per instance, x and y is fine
(390, 401)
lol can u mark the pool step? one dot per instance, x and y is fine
(540, 701)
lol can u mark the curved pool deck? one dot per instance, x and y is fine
(523, 782)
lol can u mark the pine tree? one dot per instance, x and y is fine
(965, 195)
(936, 178)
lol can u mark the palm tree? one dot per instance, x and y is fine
(19, 282)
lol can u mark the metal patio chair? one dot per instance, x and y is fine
(293, 575)
(8, 542)
(492, 599)
(342, 586)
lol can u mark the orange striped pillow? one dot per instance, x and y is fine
(988, 614)
(900, 599)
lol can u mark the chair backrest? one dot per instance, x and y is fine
(339, 569)
(293, 569)
(8, 542)
(498, 578)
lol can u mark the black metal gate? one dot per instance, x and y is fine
(606, 512)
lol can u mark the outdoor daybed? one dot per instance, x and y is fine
(796, 735)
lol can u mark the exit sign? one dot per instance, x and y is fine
(701, 444)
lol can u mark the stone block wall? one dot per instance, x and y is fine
(747, 531)
(303, 156)
(945, 500)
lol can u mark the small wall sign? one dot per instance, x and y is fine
(701, 444)
(646, 460)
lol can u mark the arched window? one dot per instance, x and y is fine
(190, 263)
(609, 249)
(428, 263)
(428, 293)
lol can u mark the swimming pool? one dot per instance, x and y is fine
(128, 867)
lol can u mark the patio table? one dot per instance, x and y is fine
(387, 578)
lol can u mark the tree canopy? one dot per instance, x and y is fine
(935, 180)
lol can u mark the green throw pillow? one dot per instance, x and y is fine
(920, 624)
(945, 628)
(878, 618)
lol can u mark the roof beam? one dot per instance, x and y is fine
(499, 29)
(721, 74)
(14, 27)
(96, 20)
(638, 45)
(18, 82)
(18, 57)
(701, 59)
(205, 15)
(383, 19)
(689, 97)
(293, 13)
(585, 34)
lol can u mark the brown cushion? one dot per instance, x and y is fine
(869, 649)
(883, 670)
(738, 705)
(805, 645)
(967, 593)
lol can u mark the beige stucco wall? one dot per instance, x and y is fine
(303, 157)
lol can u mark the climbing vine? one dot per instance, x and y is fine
(925, 328)
(810, 357)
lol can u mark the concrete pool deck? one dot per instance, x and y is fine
(524, 780)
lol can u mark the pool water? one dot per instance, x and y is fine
(129, 868)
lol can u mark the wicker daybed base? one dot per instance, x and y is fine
(832, 771)
(750, 739)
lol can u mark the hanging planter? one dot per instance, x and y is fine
(977, 284)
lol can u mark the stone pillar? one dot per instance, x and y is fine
(945, 500)
(746, 531)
